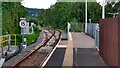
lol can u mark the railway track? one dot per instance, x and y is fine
(37, 57)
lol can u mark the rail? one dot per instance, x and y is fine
(32, 52)
(57, 40)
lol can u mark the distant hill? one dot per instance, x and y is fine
(33, 12)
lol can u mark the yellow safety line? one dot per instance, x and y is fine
(68, 58)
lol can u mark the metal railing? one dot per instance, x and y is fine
(93, 30)
(5, 39)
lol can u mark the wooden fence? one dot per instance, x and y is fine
(110, 41)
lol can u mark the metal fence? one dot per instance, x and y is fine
(7, 40)
(93, 31)
(77, 27)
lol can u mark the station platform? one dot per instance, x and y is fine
(80, 52)
(84, 51)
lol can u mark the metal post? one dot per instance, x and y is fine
(0, 18)
(22, 36)
(89, 20)
(68, 27)
(9, 42)
(103, 12)
(85, 16)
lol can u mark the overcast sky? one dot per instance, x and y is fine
(40, 4)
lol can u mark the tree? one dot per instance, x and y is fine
(11, 13)
(62, 12)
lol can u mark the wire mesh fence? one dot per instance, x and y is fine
(77, 27)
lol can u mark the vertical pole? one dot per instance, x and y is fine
(1, 38)
(68, 29)
(85, 16)
(0, 18)
(89, 20)
(114, 15)
(103, 12)
(22, 36)
(68, 26)
(15, 40)
(9, 42)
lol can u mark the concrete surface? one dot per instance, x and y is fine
(81, 40)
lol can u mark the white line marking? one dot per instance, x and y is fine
(61, 46)
(50, 55)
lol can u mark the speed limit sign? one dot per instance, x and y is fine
(23, 23)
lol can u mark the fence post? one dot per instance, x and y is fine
(68, 27)
(97, 37)
(9, 42)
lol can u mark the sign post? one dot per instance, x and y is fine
(23, 24)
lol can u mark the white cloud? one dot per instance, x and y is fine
(40, 4)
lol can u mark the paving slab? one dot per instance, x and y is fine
(84, 52)
(63, 42)
(81, 40)
(87, 57)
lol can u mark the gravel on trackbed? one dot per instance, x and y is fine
(23, 53)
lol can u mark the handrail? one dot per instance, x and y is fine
(4, 39)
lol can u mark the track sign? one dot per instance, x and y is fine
(23, 23)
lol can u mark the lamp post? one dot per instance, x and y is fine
(85, 16)
(102, 3)
(103, 12)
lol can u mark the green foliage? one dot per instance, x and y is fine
(11, 14)
(34, 20)
(18, 39)
(62, 12)
(30, 38)
(94, 11)
(77, 27)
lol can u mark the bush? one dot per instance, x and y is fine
(31, 38)
(18, 39)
